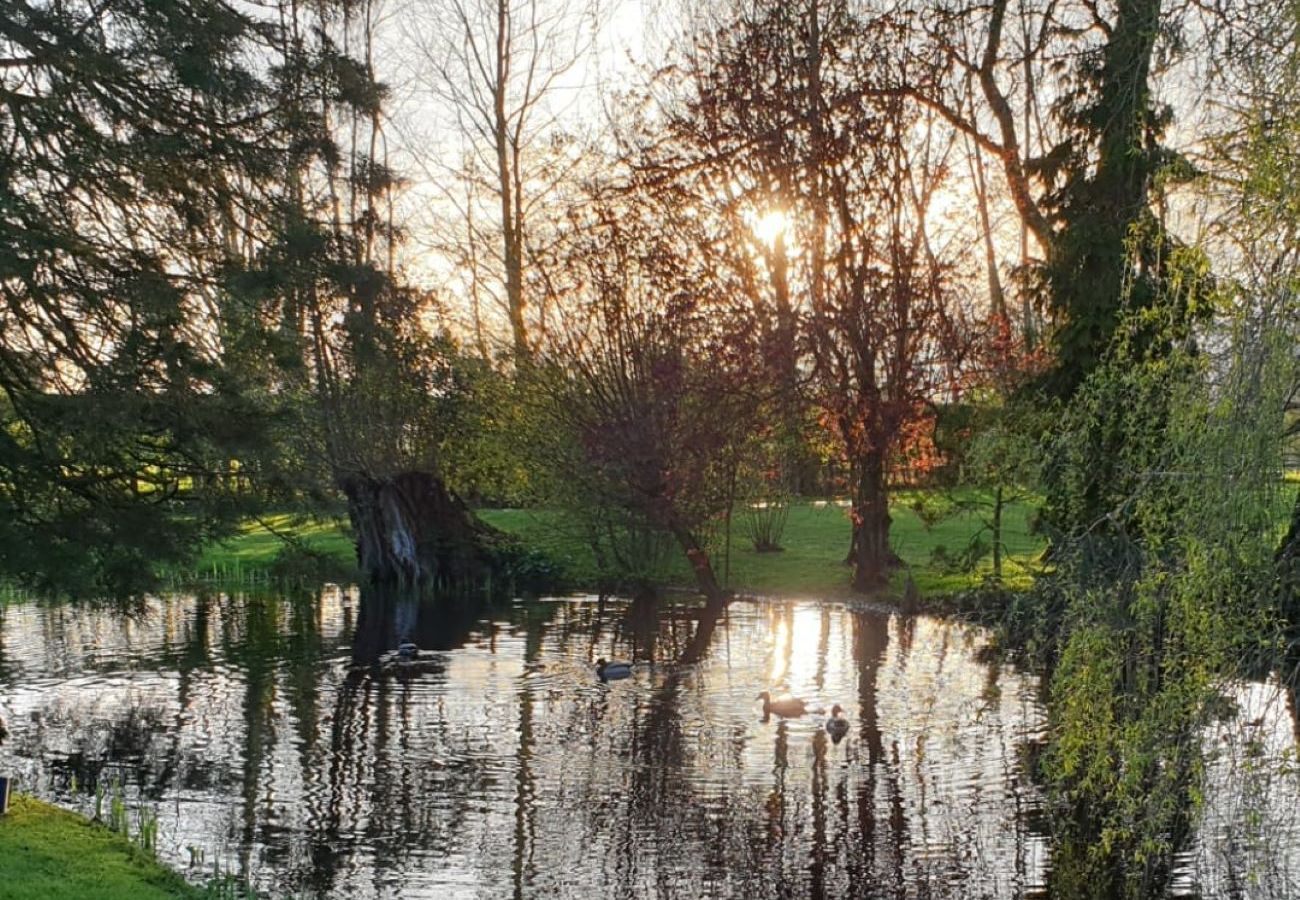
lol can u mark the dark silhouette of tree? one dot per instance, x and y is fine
(659, 384)
(802, 107)
(129, 133)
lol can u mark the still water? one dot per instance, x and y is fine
(282, 738)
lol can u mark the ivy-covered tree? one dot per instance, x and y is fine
(1109, 252)
(1064, 96)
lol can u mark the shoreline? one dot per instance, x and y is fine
(52, 853)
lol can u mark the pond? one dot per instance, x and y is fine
(283, 738)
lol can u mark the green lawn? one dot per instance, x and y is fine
(48, 854)
(815, 542)
(256, 547)
(812, 563)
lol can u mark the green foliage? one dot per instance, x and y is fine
(496, 447)
(133, 131)
(1164, 474)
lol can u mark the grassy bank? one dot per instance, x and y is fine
(815, 543)
(47, 853)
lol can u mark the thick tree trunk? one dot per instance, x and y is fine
(872, 556)
(410, 530)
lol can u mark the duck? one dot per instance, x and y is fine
(837, 726)
(786, 707)
(609, 671)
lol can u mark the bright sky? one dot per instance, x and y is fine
(631, 37)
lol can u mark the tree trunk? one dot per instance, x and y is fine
(507, 187)
(872, 556)
(1287, 558)
(700, 565)
(410, 530)
(997, 533)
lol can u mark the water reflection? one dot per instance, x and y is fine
(272, 732)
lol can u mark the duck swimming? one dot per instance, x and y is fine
(785, 707)
(611, 671)
(837, 726)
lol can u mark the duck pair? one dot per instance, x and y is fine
(792, 707)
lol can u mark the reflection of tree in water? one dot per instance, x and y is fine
(382, 767)
(870, 641)
(257, 655)
(506, 761)
(525, 806)
(657, 747)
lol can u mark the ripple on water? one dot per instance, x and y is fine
(262, 733)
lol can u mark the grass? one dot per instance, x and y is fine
(257, 547)
(815, 543)
(47, 853)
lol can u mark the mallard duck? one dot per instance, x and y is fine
(786, 707)
(609, 671)
(837, 726)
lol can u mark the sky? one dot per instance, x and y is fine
(630, 39)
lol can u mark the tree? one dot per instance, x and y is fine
(494, 66)
(1254, 169)
(1087, 196)
(374, 389)
(128, 130)
(802, 108)
(993, 437)
(658, 385)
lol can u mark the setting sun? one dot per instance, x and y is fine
(771, 225)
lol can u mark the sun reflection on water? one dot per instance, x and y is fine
(271, 732)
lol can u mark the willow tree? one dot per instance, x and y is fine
(1256, 168)
(127, 131)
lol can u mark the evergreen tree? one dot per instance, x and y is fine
(132, 136)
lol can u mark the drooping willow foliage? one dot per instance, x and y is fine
(1166, 471)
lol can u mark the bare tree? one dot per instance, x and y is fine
(801, 107)
(505, 72)
(659, 378)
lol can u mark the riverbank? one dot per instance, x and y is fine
(50, 854)
(943, 541)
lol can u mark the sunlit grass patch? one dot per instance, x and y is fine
(260, 543)
(811, 562)
(47, 853)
